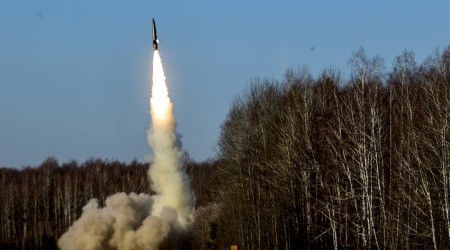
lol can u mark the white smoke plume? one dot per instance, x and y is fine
(142, 221)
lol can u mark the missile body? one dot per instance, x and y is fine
(155, 40)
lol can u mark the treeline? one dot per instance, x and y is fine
(38, 204)
(361, 162)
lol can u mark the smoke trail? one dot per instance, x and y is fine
(142, 221)
(169, 180)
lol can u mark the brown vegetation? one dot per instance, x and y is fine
(329, 163)
(39, 204)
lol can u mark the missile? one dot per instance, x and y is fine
(155, 40)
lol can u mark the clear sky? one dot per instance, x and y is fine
(75, 76)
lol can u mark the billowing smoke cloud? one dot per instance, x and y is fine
(142, 221)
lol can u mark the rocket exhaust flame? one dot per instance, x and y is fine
(160, 105)
(142, 221)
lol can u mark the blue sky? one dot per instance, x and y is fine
(75, 77)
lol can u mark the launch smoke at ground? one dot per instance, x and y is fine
(142, 221)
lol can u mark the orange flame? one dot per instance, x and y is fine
(161, 107)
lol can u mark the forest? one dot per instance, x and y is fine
(328, 162)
